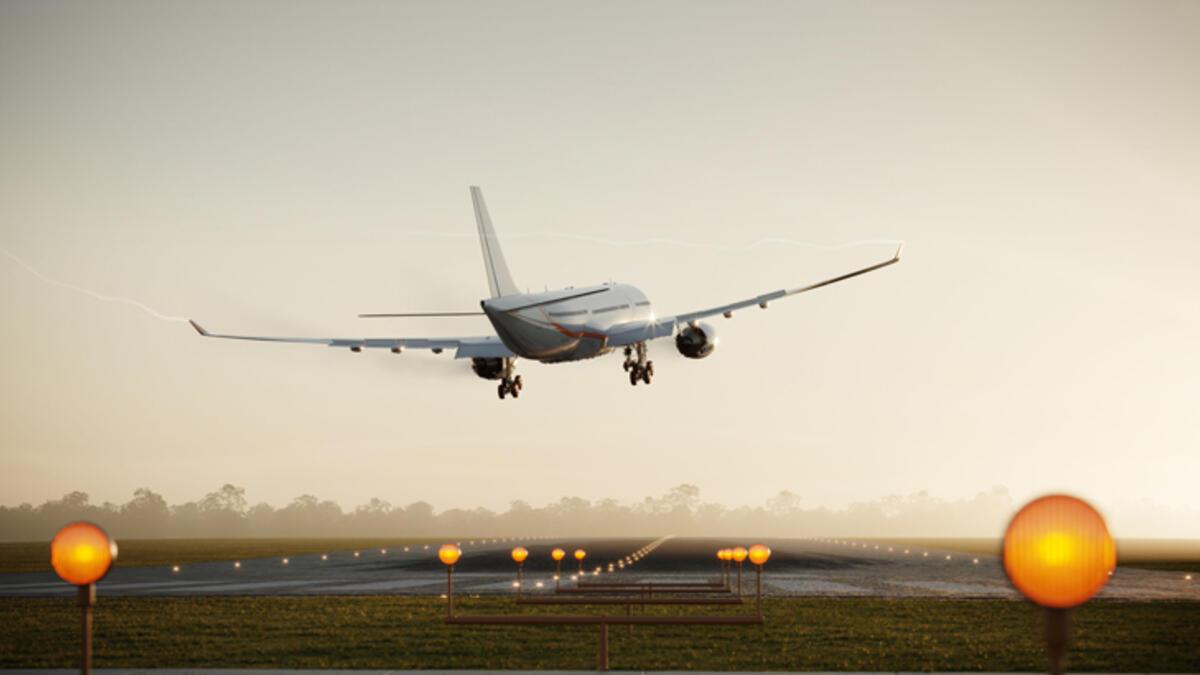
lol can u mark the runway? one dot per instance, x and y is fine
(798, 567)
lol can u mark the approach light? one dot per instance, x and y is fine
(519, 554)
(81, 553)
(449, 554)
(558, 554)
(1058, 552)
(175, 568)
(739, 554)
(580, 554)
(285, 561)
(356, 554)
(759, 553)
(324, 556)
(237, 565)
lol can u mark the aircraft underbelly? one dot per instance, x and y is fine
(550, 343)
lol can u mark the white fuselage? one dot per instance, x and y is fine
(568, 324)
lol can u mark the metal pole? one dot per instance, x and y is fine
(602, 661)
(87, 600)
(739, 593)
(758, 593)
(450, 591)
(1058, 634)
(557, 573)
(520, 578)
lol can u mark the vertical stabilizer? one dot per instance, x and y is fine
(499, 280)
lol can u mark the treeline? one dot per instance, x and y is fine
(227, 513)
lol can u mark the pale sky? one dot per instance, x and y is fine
(280, 167)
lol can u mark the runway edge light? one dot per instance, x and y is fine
(82, 553)
(1058, 553)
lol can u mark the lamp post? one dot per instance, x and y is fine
(580, 554)
(739, 556)
(81, 554)
(449, 555)
(519, 554)
(558, 555)
(1058, 553)
(758, 554)
(725, 555)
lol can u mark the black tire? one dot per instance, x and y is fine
(650, 368)
(633, 377)
(645, 376)
(501, 390)
(516, 391)
(518, 384)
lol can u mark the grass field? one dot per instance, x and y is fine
(404, 632)
(35, 556)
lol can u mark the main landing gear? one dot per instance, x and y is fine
(509, 383)
(639, 369)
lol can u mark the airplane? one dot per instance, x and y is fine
(570, 324)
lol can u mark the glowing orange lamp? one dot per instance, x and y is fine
(738, 555)
(1058, 553)
(557, 554)
(81, 554)
(449, 555)
(758, 554)
(580, 554)
(519, 554)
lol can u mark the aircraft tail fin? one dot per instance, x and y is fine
(499, 280)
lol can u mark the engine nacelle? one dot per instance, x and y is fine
(488, 369)
(696, 340)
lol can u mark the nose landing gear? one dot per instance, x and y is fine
(509, 383)
(641, 368)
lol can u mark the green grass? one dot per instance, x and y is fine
(35, 556)
(404, 632)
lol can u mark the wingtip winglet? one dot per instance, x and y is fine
(899, 250)
(198, 328)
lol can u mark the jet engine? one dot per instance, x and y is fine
(696, 340)
(488, 369)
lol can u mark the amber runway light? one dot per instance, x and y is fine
(758, 554)
(519, 554)
(580, 554)
(557, 554)
(449, 555)
(1058, 553)
(81, 554)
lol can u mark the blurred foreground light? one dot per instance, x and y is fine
(356, 554)
(285, 561)
(175, 568)
(580, 554)
(519, 554)
(739, 554)
(383, 551)
(558, 554)
(975, 561)
(237, 565)
(81, 553)
(324, 556)
(539, 584)
(1058, 552)
(449, 554)
(759, 554)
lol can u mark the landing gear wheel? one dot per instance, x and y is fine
(645, 376)
(517, 385)
(502, 390)
(633, 377)
(650, 368)
(627, 365)
(515, 391)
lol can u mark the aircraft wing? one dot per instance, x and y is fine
(762, 300)
(484, 346)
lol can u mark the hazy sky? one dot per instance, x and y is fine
(280, 167)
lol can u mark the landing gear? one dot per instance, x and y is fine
(509, 384)
(639, 369)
